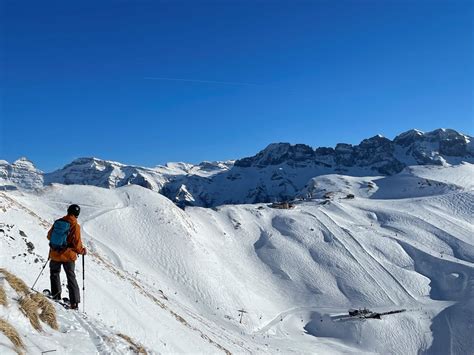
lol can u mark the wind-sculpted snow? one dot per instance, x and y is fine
(175, 280)
(450, 281)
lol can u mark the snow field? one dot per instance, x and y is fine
(174, 280)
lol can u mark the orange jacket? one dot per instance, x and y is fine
(74, 242)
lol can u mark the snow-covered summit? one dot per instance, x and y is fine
(408, 137)
(281, 171)
(21, 173)
(104, 173)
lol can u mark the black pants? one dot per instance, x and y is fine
(72, 286)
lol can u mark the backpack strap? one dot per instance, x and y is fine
(70, 233)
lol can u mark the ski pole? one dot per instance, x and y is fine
(46, 263)
(83, 284)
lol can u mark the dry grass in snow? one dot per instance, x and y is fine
(48, 312)
(30, 309)
(34, 305)
(11, 333)
(3, 296)
(16, 283)
(136, 348)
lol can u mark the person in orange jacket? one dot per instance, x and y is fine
(65, 254)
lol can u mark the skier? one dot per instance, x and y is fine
(65, 244)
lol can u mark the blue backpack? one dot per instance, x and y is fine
(59, 235)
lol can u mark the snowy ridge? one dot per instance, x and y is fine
(414, 181)
(108, 174)
(175, 280)
(279, 172)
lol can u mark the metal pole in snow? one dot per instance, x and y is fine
(46, 263)
(83, 284)
(242, 311)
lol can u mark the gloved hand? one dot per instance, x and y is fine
(84, 251)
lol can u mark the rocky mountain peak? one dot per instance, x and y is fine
(445, 134)
(277, 172)
(105, 173)
(408, 137)
(432, 146)
(21, 173)
(377, 140)
(24, 163)
(278, 153)
(93, 163)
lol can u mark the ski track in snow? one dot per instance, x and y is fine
(96, 336)
(369, 269)
(283, 267)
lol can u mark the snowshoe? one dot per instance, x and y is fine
(63, 302)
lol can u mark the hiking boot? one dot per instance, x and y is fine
(74, 306)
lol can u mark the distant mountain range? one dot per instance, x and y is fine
(281, 171)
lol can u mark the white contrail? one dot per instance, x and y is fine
(203, 81)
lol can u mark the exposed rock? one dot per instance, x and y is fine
(22, 173)
(322, 151)
(282, 205)
(409, 137)
(103, 173)
(277, 173)
(377, 153)
(278, 153)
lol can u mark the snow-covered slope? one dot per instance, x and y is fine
(68, 333)
(413, 181)
(175, 280)
(279, 172)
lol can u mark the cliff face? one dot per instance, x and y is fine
(22, 173)
(378, 153)
(278, 172)
(103, 173)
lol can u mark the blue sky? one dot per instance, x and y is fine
(146, 82)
